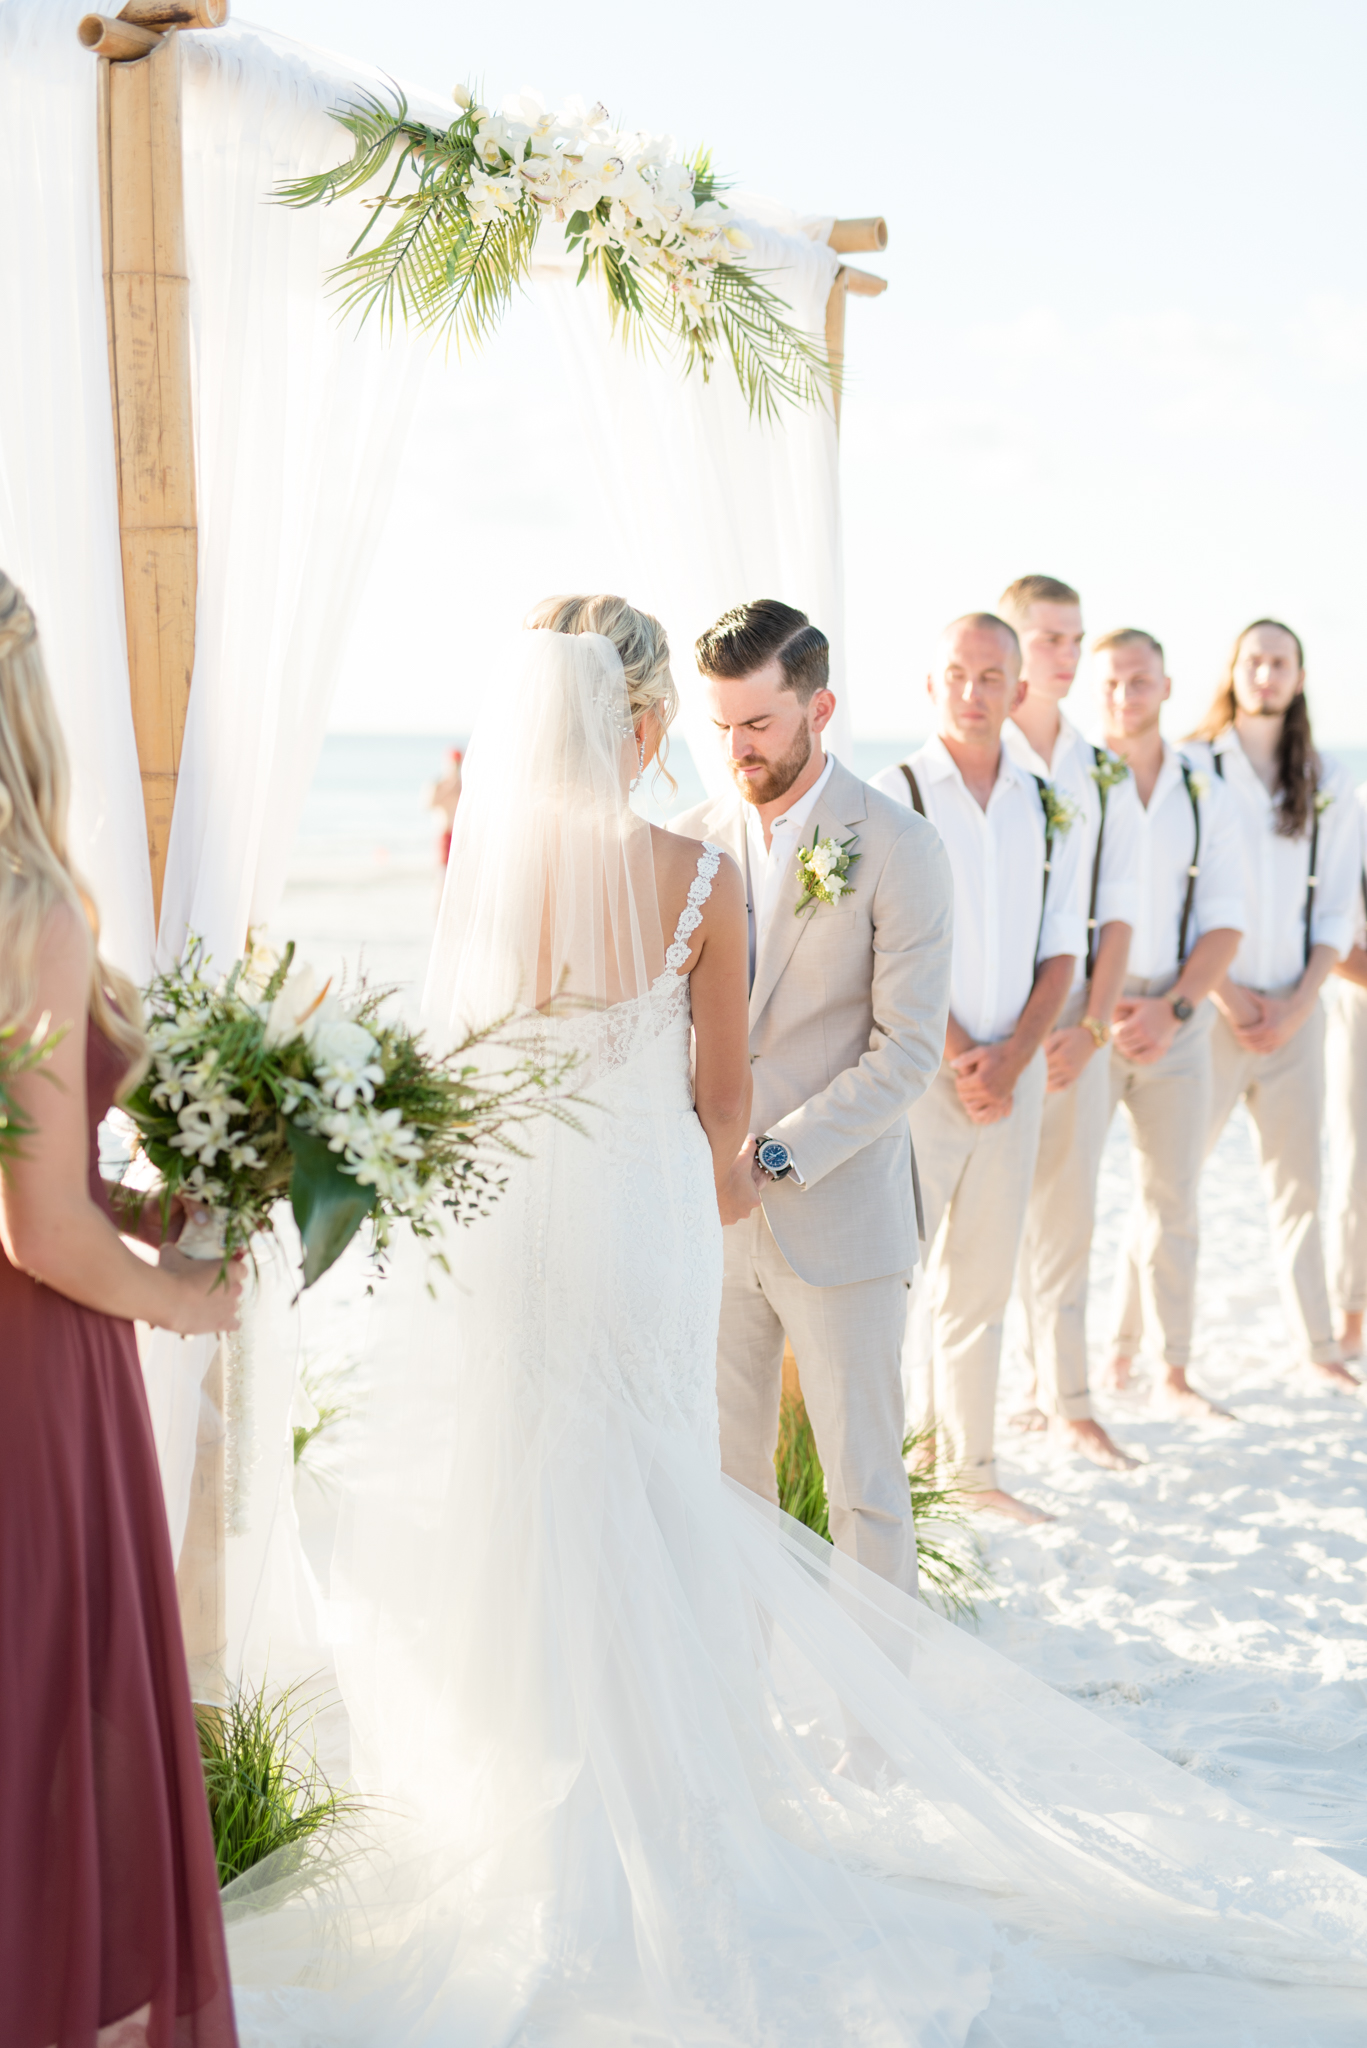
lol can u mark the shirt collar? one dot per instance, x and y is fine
(941, 766)
(1068, 738)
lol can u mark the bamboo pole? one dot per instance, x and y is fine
(869, 233)
(142, 218)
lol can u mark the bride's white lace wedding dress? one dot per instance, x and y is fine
(601, 1695)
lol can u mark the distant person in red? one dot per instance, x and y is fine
(444, 796)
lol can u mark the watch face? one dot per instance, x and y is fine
(1181, 1009)
(773, 1156)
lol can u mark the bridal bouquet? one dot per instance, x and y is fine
(265, 1084)
(464, 204)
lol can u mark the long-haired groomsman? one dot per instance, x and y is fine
(1018, 931)
(1188, 923)
(1346, 1061)
(1055, 1254)
(1298, 827)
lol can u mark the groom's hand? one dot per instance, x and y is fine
(738, 1194)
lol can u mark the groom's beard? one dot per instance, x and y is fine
(781, 775)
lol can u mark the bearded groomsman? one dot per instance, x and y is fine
(1056, 1248)
(850, 905)
(1188, 923)
(1018, 933)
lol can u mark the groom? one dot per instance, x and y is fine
(848, 1003)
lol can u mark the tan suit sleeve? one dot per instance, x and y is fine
(913, 915)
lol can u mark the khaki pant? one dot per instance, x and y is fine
(1056, 1248)
(1284, 1095)
(1167, 1106)
(1346, 1075)
(975, 1185)
(847, 1342)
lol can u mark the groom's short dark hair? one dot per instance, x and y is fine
(750, 636)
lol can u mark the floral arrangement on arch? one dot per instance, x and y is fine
(465, 205)
(265, 1085)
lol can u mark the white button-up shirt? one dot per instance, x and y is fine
(997, 859)
(1277, 869)
(769, 865)
(1360, 909)
(1167, 841)
(1071, 772)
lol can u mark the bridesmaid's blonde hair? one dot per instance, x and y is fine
(641, 642)
(35, 868)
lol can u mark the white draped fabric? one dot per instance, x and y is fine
(59, 532)
(711, 506)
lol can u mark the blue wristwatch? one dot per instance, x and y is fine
(774, 1158)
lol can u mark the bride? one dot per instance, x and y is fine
(649, 1763)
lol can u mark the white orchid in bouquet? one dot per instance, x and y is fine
(467, 202)
(266, 1084)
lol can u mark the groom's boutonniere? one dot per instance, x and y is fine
(822, 869)
(1109, 770)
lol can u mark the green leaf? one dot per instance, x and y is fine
(329, 1206)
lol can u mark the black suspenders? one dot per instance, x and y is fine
(1312, 879)
(1193, 871)
(1097, 756)
(914, 788)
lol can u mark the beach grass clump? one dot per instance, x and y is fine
(327, 1393)
(266, 1788)
(950, 1558)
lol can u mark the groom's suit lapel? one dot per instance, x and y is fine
(839, 809)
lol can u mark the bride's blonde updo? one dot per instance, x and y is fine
(35, 868)
(640, 641)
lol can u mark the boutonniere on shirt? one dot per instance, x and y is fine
(1323, 799)
(1109, 770)
(1060, 812)
(1198, 784)
(822, 869)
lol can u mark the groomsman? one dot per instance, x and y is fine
(1346, 1072)
(1018, 932)
(1297, 822)
(1056, 1249)
(1188, 922)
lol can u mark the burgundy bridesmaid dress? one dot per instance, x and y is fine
(108, 1891)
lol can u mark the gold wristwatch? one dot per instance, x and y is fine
(1101, 1033)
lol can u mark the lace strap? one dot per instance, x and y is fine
(690, 917)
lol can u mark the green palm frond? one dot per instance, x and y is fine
(428, 258)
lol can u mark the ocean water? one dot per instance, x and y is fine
(366, 811)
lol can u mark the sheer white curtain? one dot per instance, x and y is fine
(59, 531)
(712, 506)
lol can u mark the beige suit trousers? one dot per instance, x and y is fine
(1346, 1073)
(847, 1342)
(1167, 1107)
(975, 1187)
(1056, 1248)
(1284, 1095)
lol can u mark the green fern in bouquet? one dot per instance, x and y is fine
(267, 1085)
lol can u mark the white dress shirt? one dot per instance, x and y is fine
(997, 860)
(1167, 841)
(1360, 911)
(1276, 869)
(1071, 772)
(769, 865)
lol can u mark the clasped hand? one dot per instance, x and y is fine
(1144, 1028)
(740, 1191)
(985, 1077)
(1264, 1023)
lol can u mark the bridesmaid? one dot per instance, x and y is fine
(110, 1930)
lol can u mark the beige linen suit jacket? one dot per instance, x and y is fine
(847, 1028)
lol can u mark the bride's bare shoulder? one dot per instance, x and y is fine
(676, 863)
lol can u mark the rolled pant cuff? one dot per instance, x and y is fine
(1072, 1407)
(978, 1478)
(1326, 1354)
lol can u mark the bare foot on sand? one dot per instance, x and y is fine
(1090, 1440)
(1115, 1374)
(1030, 1419)
(1351, 1336)
(995, 1502)
(1178, 1396)
(1340, 1377)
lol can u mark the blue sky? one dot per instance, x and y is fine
(1125, 340)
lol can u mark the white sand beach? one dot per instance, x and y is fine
(1213, 1602)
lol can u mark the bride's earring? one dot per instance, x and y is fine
(641, 752)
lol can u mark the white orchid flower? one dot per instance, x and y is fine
(738, 238)
(462, 96)
(300, 998)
